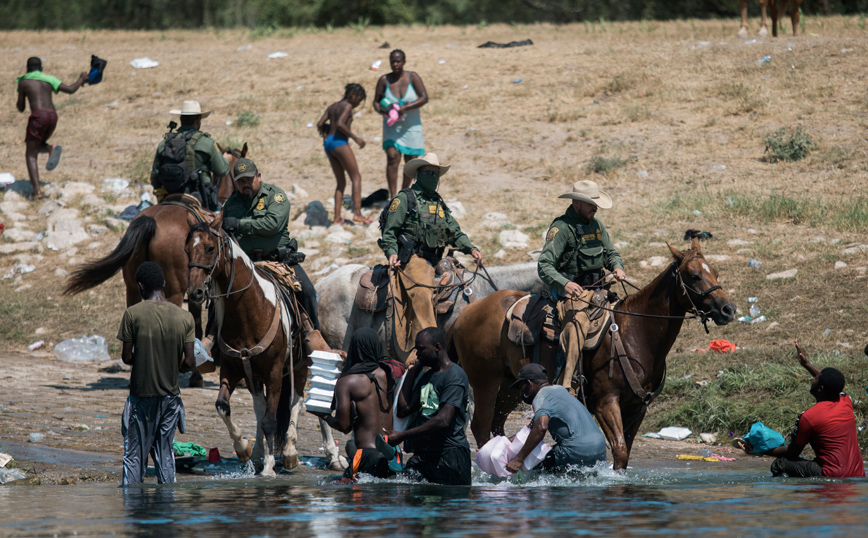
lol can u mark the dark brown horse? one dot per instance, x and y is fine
(255, 335)
(648, 322)
(156, 234)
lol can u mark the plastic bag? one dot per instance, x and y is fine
(493, 457)
(8, 475)
(763, 439)
(84, 349)
(534, 458)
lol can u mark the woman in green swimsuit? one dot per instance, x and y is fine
(405, 136)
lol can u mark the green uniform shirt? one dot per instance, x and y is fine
(208, 159)
(158, 332)
(431, 225)
(574, 247)
(264, 221)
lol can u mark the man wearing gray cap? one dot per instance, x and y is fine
(187, 158)
(577, 250)
(580, 443)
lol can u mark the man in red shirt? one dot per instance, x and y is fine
(830, 428)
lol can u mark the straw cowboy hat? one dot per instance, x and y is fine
(191, 108)
(429, 159)
(588, 191)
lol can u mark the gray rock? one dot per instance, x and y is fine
(716, 257)
(737, 242)
(512, 239)
(74, 188)
(27, 246)
(13, 209)
(64, 229)
(789, 273)
(116, 224)
(298, 192)
(50, 207)
(457, 209)
(18, 234)
(840, 265)
(92, 201)
(855, 249)
(500, 254)
(494, 220)
(311, 233)
(338, 235)
(97, 229)
(62, 273)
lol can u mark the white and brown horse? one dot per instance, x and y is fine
(620, 385)
(256, 337)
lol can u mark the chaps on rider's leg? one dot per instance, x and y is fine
(414, 303)
(574, 330)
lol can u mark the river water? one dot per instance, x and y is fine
(698, 500)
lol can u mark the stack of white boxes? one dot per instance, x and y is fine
(324, 377)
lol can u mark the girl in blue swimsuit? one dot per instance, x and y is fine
(334, 126)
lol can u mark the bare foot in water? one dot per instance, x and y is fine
(361, 219)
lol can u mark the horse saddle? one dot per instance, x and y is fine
(530, 317)
(191, 204)
(449, 276)
(373, 291)
(599, 316)
(283, 274)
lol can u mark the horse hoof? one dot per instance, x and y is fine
(196, 380)
(244, 451)
(340, 464)
(742, 33)
(763, 32)
(290, 462)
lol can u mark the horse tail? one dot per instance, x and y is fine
(284, 412)
(94, 273)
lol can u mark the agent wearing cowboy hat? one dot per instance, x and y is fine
(203, 159)
(577, 250)
(417, 229)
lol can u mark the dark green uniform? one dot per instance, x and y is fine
(264, 221)
(577, 251)
(208, 159)
(432, 227)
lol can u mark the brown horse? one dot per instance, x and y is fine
(255, 335)
(648, 321)
(777, 9)
(156, 234)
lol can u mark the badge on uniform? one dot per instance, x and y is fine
(553, 231)
(394, 206)
(279, 198)
(261, 205)
(436, 209)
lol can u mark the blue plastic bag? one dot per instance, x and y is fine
(763, 439)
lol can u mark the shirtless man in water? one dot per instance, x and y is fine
(334, 127)
(37, 87)
(363, 404)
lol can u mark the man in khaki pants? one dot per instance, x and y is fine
(576, 251)
(417, 229)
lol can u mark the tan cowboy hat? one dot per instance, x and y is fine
(429, 159)
(588, 191)
(191, 108)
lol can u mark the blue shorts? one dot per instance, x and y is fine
(334, 141)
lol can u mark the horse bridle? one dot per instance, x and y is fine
(701, 314)
(224, 243)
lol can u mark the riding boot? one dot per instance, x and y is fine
(308, 297)
(313, 340)
(574, 330)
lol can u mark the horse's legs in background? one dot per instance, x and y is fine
(609, 416)
(336, 462)
(269, 416)
(485, 391)
(507, 400)
(196, 310)
(228, 381)
(631, 428)
(257, 391)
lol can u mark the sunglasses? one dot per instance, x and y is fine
(430, 173)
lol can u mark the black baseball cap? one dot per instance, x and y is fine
(244, 168)
(530, 372)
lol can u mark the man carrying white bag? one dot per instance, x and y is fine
(580, 443)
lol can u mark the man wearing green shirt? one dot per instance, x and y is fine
(577, 250)
(257, 214)
(203, 159)
(418, 227)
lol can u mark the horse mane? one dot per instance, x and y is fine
(648, 289)
(198, 227)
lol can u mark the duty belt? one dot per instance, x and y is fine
(592, 279)
(432, 255)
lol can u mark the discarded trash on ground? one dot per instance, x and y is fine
(35, 437)
(690, 234)
(277, 55)
(6, 179)
(84, 349)
(674, 433)
(4, 459)
(511, 44)
(114, 184)
(144, 63)
(36, 345)
(722, 346)
(10, 475)
(708, 438)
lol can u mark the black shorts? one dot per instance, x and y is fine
(369, 461)
(798, 467)
(450, 467)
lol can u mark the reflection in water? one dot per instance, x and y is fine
(663, 503)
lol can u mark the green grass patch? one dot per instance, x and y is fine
(247, 119)
(787, 145)
(600, 164)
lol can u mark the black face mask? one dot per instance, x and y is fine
(428, 180)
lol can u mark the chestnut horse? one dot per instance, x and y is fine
(648, 321)
(156, 234)
(776, 11)
(255, 335)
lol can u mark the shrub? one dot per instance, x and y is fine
(603, 165)
(247, 119)
(787, 145)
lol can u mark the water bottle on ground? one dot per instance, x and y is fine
(756, 264)
(754, 308)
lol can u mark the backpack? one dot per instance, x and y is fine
(411, 203)
(177, 160)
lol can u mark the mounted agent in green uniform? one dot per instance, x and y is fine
(257, 214)
(577, 251)
(415, 233)
(193, 157)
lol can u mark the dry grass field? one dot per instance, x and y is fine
(669, 117)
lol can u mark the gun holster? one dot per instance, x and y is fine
(406, 249)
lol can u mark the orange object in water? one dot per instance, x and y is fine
(721, 346)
